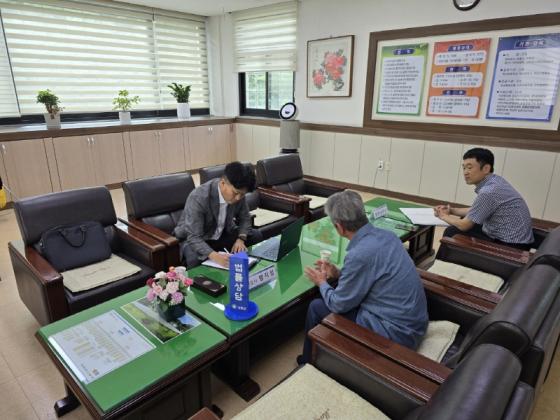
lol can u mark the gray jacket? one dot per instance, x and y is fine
(199, 219)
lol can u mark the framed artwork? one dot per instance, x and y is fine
(329, 67)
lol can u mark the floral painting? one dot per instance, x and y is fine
(329, 67)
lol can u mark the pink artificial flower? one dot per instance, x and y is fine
(172, 275)
(151, 295)
(160, 275)
(157, 290)
(187, 282)
(150, 282)
(172, 287)
(176, 298)
(164, 295)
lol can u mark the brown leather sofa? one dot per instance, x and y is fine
(264, 200)
(284, 174)
(40, 286)
(154, 205)
(483, 386)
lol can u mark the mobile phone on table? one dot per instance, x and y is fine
(207, 285)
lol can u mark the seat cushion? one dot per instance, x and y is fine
(79, 301)
(98, 274)
(310, 394)
(316, 201)
(437, 340)
(264, 217)
(467, 275)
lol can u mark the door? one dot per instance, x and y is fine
(171, 150)
(73, 158)
(27, 170)
(144, 146)
(108, 158)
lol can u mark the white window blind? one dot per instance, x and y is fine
(265, 38)
(8, 100)
(86, 51)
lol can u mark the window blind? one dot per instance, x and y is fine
(265, 38)
(8, 99)
(86, 51)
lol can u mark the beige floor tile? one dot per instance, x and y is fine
(16, 323)
(6, 374)
(23, 354)
(13, 402)
(542, 412)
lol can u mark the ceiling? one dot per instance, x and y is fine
(204, 7)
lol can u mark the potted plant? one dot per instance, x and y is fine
(167, 292)
(123, 103)
(52, 104)
(181, 93)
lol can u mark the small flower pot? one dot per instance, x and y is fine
(53, 122)
(124, 117)
(172, 312)
(183, 110)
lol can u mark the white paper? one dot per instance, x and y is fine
(210, 263)
(423, 216)
(100, 345)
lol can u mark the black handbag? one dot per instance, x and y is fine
(71, 246)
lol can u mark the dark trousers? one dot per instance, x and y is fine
(190, 258)
(476, 232)
(315, 313)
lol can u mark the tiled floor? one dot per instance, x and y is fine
(29, 383)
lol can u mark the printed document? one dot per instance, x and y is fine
(423, 216)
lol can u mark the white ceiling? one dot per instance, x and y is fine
(204, 7)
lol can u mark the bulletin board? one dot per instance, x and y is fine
(498, 77)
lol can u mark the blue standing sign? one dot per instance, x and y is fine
(239, 308)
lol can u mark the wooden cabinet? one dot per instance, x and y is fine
(26, 171)
(210, 145)
(172, 150)
(85, 161)
(144, 148)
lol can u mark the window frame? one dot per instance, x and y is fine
(256, 112)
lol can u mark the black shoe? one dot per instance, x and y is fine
(300, 360)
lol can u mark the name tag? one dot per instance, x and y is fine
(380, 211)
(266, 275)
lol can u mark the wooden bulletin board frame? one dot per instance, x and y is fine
(549, 138)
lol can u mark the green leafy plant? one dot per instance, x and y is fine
(51, 102)
(124, 102)
(180, 92)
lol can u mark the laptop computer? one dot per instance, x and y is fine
(274, 249)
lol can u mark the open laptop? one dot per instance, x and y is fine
(274, 249)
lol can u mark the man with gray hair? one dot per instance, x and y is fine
(378, 286)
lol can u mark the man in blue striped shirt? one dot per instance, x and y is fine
(378, 286)
(498, 214)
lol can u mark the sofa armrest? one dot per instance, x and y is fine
(320, 187)
(457, 297)
(140, 246)
(462, 287)
(39, 285)
(285, 202)
(402, 355)
(482, 247)
(204, 414)
(154, 232)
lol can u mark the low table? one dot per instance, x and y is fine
(170, 381)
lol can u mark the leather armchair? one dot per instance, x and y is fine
(262, 200)
(484, 386)
(284, 174)
(526, 321)
(154, 206)
(40, 286)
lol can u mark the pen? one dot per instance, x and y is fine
(227, 252)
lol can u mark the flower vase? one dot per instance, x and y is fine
(124, 117)
(53, 122)
(172, 312)
(183, 110)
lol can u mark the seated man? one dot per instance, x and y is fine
(208, 222)
(378, 286)
(498, 214)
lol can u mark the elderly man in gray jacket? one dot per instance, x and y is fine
(216, 218)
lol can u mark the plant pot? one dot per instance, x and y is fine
(172, 312)
(53, 122)
(183, 110)
(124, 117)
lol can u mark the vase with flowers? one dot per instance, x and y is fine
(168, 291)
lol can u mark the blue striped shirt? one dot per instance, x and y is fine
(379, 278)
(501, 211)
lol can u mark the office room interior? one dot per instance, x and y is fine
(345, 137)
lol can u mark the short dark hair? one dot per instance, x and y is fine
(482, 156)
(240, 176)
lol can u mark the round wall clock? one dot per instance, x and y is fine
(464, 5)
(288, 110)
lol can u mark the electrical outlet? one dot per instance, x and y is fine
(380, 165)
